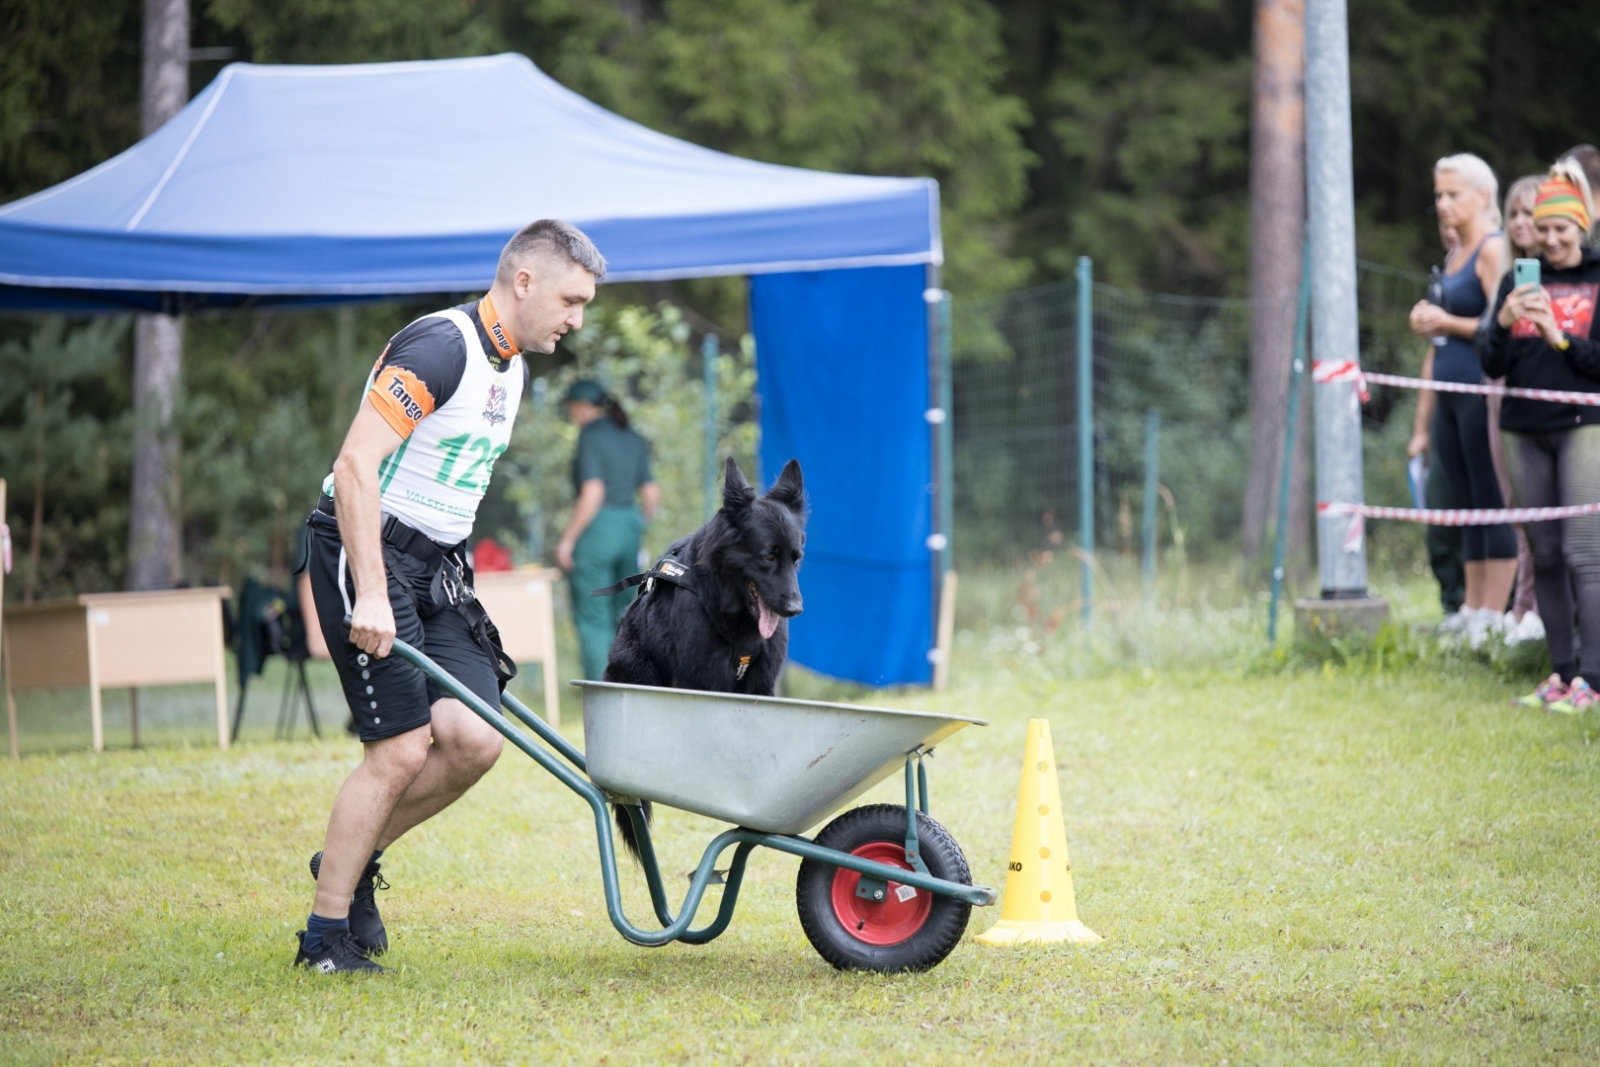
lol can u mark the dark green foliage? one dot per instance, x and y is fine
(1055, 127)
(64, 440)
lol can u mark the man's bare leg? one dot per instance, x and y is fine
(362, 809)
(464, 748)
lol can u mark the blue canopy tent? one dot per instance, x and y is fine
(302, 185)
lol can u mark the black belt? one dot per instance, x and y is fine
(396, 534)
(450, 586)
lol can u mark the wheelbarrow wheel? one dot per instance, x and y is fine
(909, 930)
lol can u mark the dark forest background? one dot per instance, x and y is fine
(1056, 128)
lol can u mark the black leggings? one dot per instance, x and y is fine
(1556, 470)
(1461, 436)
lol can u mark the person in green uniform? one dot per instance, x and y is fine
(600, 546)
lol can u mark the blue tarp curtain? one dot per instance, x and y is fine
(843, 362)
(314, 185)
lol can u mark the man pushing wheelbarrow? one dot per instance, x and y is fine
(881, 887)
(387, 558)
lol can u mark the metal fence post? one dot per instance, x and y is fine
(1152, 462)
(1341, 546)
(709, 349)
(946, 453)
(1086, 427)
(1280, 536)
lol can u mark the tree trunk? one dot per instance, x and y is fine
(154, 544)
(1277, 229)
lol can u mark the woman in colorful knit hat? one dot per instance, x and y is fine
(1542, 337)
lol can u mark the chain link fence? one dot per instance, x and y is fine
(1016, 433)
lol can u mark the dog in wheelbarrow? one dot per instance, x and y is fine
(713, 613)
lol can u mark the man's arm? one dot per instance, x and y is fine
(355, 494)
(590, 497)
(650, 498)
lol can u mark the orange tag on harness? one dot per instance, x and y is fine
(744, 665)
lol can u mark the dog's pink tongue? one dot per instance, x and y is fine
(768, 623)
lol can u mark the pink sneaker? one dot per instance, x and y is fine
(1579, 699)
(1553, 690)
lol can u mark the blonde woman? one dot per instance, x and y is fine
(1466, 198)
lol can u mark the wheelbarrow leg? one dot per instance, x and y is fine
(913, 846)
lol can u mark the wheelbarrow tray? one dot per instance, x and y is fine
(765, 763)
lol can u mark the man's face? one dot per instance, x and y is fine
(550, 299)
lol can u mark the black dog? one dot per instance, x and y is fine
(718, 620)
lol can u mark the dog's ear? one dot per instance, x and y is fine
(789, 490)
(736, 492)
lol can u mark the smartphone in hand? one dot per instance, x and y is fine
(1524, 272)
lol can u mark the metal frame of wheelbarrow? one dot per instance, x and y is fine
(875, 876)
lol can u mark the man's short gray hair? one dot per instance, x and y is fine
(550, 237)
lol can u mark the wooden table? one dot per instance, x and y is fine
(119, 639)
(522, 604)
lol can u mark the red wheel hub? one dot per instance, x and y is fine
(891, 920)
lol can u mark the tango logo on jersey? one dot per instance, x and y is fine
(494, 409)
(413, 410)
(501, 341)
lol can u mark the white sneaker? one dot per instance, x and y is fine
(1480, 624)
(1531, 628)
(1456, 621)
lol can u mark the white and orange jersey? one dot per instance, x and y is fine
(450, 388)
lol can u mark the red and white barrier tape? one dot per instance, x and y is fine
(1559, 396)
(1327, 371)
(1459, 516)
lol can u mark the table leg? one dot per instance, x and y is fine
(133, 713)
(222, 683)
(97, 726)
(11, 700)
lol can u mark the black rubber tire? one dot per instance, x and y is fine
(833, 940)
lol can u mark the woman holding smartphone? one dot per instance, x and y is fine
(1465, 195)
(1541, 338)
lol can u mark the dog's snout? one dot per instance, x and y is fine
(793, 606)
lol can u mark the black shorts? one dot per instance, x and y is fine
(389, 696)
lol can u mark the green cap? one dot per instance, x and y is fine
(585, 389)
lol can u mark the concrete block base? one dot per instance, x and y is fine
(1323, 619)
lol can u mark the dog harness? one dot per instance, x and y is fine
(670, 570)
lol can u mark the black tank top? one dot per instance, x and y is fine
(1456, 360)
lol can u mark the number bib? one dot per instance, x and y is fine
(435, 479)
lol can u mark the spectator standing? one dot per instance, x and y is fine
(1542, 337)
(1443, 542)
(1586, 156)
(1522, 242)
(600, 546)
(1465, 195)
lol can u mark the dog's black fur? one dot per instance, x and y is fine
(746, 556)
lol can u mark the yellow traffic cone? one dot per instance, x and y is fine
(1039, 905)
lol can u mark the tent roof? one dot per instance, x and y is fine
(308, 183)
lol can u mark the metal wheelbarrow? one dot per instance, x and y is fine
(881, 887)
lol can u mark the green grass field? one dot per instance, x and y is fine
(1310, 866)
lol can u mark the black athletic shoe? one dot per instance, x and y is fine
(365, 922)
(340, 954)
